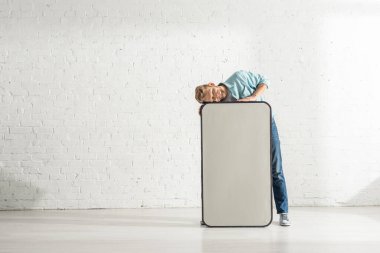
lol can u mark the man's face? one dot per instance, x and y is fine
(212, 93)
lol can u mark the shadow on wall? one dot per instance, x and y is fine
(17, 195)
(369, 196)
(316, 146)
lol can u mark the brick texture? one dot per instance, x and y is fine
(97, 105)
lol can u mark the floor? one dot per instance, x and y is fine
(343, 229)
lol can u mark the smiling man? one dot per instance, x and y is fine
(248, 86)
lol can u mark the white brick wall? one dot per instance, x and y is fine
(97, 101)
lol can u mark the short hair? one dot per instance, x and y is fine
(200, 92)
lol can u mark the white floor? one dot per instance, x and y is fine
(344, 229)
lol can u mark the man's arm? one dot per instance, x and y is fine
(259, 90)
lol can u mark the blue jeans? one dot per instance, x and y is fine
(279, 185)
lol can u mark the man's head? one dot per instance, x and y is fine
(210, 93)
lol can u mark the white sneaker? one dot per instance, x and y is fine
(284, 219)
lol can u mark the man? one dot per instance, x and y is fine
(248, 86)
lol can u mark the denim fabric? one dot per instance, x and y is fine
(279, 184)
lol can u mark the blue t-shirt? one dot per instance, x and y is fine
(242, 84)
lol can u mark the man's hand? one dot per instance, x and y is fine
(260, 89)
(250, 98)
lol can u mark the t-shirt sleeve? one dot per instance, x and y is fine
(263, 79)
